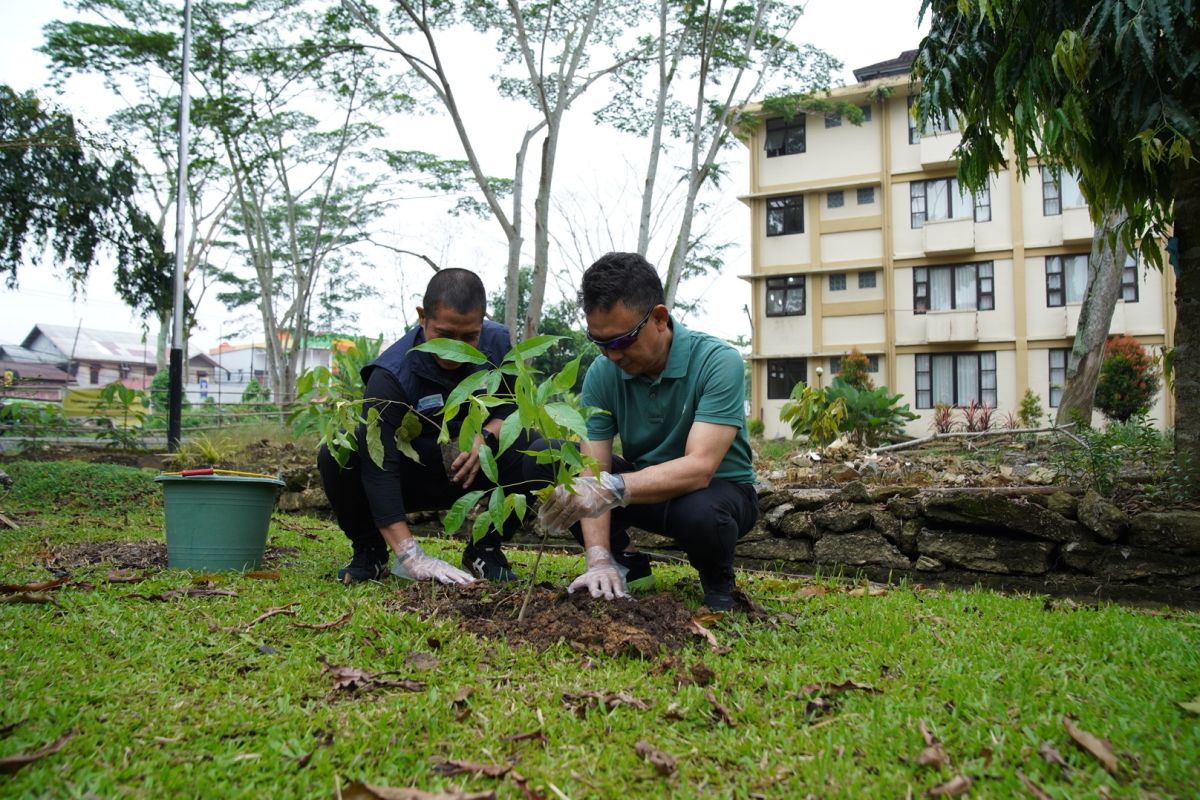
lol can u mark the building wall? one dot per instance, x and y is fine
(878, 235)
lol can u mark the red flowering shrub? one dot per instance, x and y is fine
(1129, 379)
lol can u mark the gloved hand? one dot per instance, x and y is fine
(591, 498)
(602, 578)
(412, 563)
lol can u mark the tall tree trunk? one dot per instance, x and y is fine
(1187, 322)
(1095, 318)
(660, 112)
(541, 233)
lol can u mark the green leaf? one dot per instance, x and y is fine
(510, 429)
(480, 528)
(487, 463)
(498, 507)
(471, 426)
(518, 504)
(567, 417)
(374, 437)
(453, 350)
(408, 430)
(532, 347)
(458, 511)
(565, 379)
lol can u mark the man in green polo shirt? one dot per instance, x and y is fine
(676, 398)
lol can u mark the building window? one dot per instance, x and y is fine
(866, 113)
(866, 195)
(835, 364)
(94, 373)
(835, 199)
(965, 286)
(785, 296)
(946, 124)
(782, 376)
(833, 120)
(837, 281)
(1066, 279)
(1060, 191)
(1129, 280)
(1058, 374)
(151, 370)
(785, 215)
(956, 379)
(866, 279)
(944, 199)
(785, 138)
(123, 371)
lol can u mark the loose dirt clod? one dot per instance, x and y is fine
(639, 627)
(134, 555)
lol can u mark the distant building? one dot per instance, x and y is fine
(240, 363)
(862, 238)
(32, 380)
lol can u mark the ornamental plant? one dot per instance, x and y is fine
(1129, 379)
(867, 415)
(855, 369)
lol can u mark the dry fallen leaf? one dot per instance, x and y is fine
(462, 709)
(934, 755)
(664, 763)
(957, 785)
(324, 626)
(1193, 707)
(582, 701)
(28, 597)
(453, 767)
(1038, 792)
(39, 586)
(351, 679)
(10, 764)
(270, 612)
(264, 574)
(421, 660)
(124, 576)
(812, 591)
(702, 674)
(700, 630)
(1094, 746)
(1051, 756)
(538, 734)
(720, 712)
(524, 786)
(365, 791)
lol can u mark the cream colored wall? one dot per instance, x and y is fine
(842, 333)
(907, 241)
(851, 246)
(794, 249)
(830, 153)
(851, 294)
(997, 234)
(1146, 317)
(851, 208)
(905, 157)
(785, 336)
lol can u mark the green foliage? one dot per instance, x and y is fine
(1133, 445)
(811, 413)
(756, 427)
(1031, 411)
(31, 418)
(562, 320)
(855, 370)
(867, 415)
(255, 392)
(202, 450)
(128, 413)
(329, 401)
(81, 485)
(1128, 379)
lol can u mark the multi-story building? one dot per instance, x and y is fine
(862, 238)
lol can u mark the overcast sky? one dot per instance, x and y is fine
(593, 169)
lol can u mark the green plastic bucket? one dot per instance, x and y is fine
(217, 522)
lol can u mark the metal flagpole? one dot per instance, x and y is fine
(175, 394)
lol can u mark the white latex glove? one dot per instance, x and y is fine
(412, 563)
(591, 498)
(602, 578)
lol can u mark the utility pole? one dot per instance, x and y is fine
(175, 392)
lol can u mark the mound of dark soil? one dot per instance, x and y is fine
(147, 554)
(638, 627)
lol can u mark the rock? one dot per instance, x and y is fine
(799, 526)
(1041, 476)
(992, 513)
(865, 548)
(927, 564)
(1127, 563)
(880, 494)
(852, 492)
(769, 499)
(910, 529)
(757, 533)
(651, 541)
(1059, 502)
(810, 499)
(904, 507)
(776, 549)
(1173, 531)
(1102, 517)
(307, 500)
(886, 524)
(777, 512)
(986, 553)
(841, 520)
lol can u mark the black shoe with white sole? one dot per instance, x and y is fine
(487, 563)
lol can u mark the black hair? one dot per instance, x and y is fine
(455, 288)
(624, 278)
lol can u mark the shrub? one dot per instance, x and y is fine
(756, 428)
(855, 370)
(943, 418)
(811, 413)
(160, 389)
(1031, 410)
(1128, 381)
(868, 415)
(255, 392)
(976, 417)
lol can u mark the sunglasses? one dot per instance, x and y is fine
(625, 339)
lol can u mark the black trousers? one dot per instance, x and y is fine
(706, 523)
(424, 488)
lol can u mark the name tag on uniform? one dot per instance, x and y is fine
(429, 402)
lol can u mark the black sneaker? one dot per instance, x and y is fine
(366, 565)
(635, 569)
(487, 563)
(718, 593)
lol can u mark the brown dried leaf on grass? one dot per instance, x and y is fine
(36, 598)
(813, 591)
(700, 630)
(1051, 756)
(270, 612)
(452, 767)
(1094, 746)
(664, 763)
(365, 791)
(325, 626)
(462, 709)
(720, 712)
(702, 674)
(37, 586)
(420, 660)
(1038, 792)
(582, 701)
(263, 574)
(934, 755)
(523, 784)
(538, 734)
(193, 591)
(10, 764)
(8, 728)
(352, 679)
(124, 576)
(957, 785)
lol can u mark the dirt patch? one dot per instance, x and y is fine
(638, 627)
(136, 555)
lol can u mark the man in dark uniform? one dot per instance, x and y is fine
(371, 501)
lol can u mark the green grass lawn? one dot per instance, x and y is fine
(178, 698)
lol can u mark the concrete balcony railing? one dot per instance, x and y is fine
(949, 235)
(937, 150)
(951, 326)
(1077, 225)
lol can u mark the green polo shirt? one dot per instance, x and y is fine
(704, 381)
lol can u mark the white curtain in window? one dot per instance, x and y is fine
(963, 201)
(967, 368)
(1076, 268)
(939, 289)
(1071, 196)
(943, 379)
(936, 200)
(964, 287)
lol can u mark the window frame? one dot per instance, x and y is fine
(835, 363)
(1052, 199)
(1129, 279)
(1063, 353)
(778, 366)
(841, 278)
(870, 190)
(841, 199)
(1061, 273)
(833, 120)
(985, 287)
(787, 288)
(924, 397)
(918, 195)
(782, 204)
(874, 280)
(782, 132)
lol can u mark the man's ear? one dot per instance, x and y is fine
(661, 316)
(420, 315)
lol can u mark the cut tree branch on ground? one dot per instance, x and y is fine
(977, 434)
